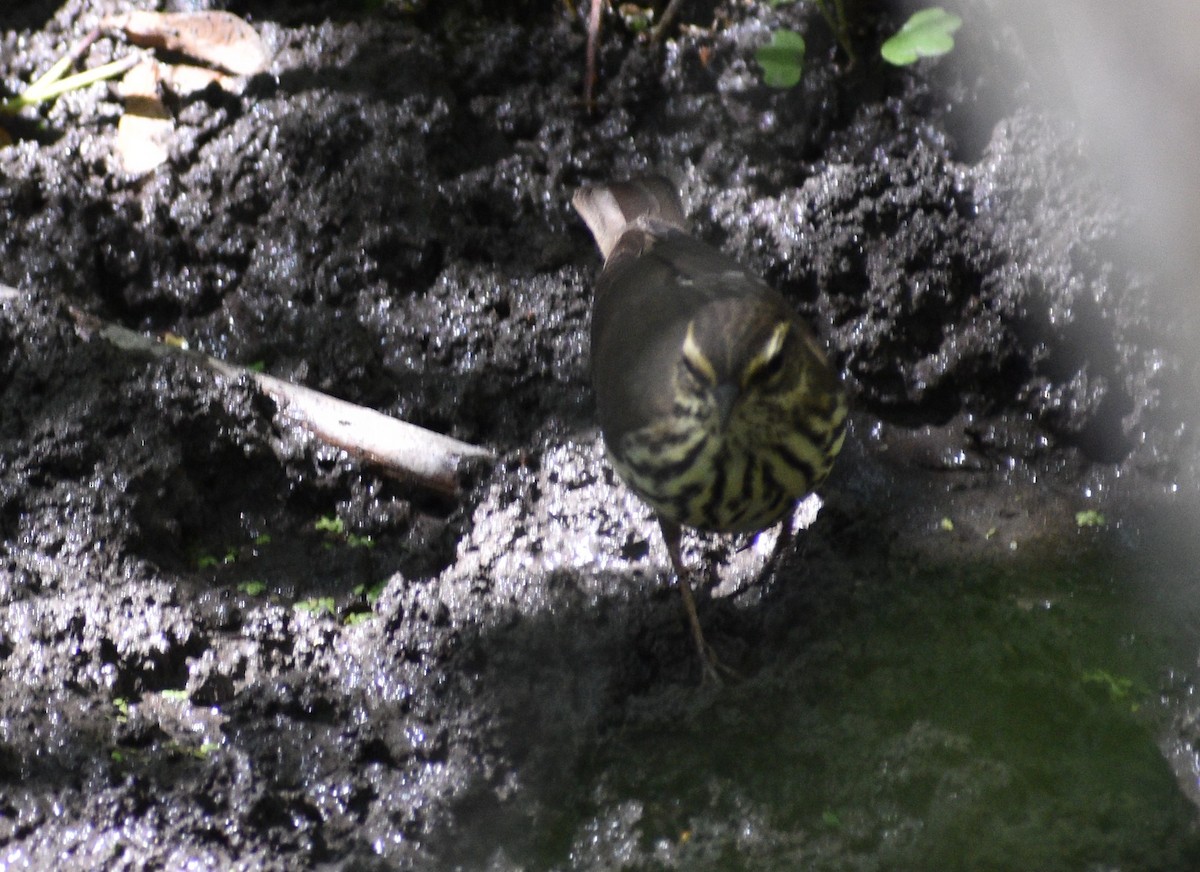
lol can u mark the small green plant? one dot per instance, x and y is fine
(317, 605)
(252, 588)
(1089, 518)
(209, 561)
(52, 84)
(927, 34)
(1120, 690)
(336, 529)
(834, 14)
(636, 18)
(179, 749)
(370, 592)
(330, 524)
(234, 553)
(782, 59)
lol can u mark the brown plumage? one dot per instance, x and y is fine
(717, 406)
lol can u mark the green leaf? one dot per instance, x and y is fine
(1118, 687)
(927, 34)
(330, 524)
(1089, 518)
(636, 18)
(317, 605)
(782, 59)
(370, 592)
(253, 587)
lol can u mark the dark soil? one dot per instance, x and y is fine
(947, 671)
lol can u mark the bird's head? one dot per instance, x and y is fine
(733, 351)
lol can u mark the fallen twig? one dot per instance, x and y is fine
(397, 448)
(589, 73)
(668, 17)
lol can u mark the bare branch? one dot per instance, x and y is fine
(395, 447)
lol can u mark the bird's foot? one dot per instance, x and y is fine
(714, 671)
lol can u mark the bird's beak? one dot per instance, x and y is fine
(726, 397)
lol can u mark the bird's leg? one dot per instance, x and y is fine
(713, 667)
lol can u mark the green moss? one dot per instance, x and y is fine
(967, 718)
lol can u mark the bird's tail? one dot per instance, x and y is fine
(609, 210)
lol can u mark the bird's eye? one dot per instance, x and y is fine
(696, 371)
(696, 361)
(768, 369)
(769, 361)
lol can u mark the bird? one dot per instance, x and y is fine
(716, 403)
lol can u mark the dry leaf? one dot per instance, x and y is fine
(144, 134)
(140, 81)
(218, 38)
(182, 80)
(185, 79)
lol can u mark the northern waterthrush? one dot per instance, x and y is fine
(717, 405)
